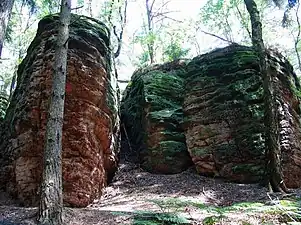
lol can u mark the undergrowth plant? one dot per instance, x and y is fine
(154, 218)
(170, 213)
(174, 211)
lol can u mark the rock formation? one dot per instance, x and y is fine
(220, 104)
(152, 115)
(207, 112)
(224, 114)
(91, 122)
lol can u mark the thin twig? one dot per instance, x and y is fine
(170, 18)
(162, 14)
(277, 204)
(216, 36)
(243, 22)
(79, 7)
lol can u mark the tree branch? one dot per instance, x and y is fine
(152, 5)
(245, 25)
(79, 7)
(216, 36)
(170, 18)
(164, 4)
(161, 14)
(123, 20)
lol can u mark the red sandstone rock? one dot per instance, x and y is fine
(91, 123)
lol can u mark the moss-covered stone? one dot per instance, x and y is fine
(152, 113)
(223, 104)
(217, 99)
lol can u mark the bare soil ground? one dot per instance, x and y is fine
(138, 197)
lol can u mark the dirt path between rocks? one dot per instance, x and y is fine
(138, 197)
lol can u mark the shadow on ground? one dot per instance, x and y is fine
(140, 198)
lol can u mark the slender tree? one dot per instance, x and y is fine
(51, 201)
(6, 7)
(122, 14)
(150, 44)
(156, 14)
(275, 177)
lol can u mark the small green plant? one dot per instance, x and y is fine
(154, 218)
(211, 220)
(171, 210)
(175, 51)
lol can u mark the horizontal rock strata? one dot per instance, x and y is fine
(224, 114)
(91, 122)
(221, 114)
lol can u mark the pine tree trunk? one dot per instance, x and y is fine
(274, 175)
(51, 201)
(6, 7)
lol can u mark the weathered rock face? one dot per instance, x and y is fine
(223, 114)
(152, 115)
(289, 113)
(223, 109)
(91, 122)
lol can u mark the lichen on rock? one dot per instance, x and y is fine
(91, 121)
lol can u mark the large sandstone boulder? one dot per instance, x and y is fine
(224, 115)
(91, 122)
(152, 115)
(219, 106)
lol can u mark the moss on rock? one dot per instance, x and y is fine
(152, 113)
(217, 99)
(224, 96)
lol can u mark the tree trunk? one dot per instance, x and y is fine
(122, 16)
(272, 144)
(150, 44)
(51, 201)
(6, 7)
(89, 8)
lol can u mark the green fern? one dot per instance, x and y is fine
(152, 218)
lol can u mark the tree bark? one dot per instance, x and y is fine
(6, 7)
(150, 44)
(272, 145)
(51, 201)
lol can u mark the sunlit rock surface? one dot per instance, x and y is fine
(91, 122)
(222, 115)
(152, 115)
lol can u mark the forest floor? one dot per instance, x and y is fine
(138, 197)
